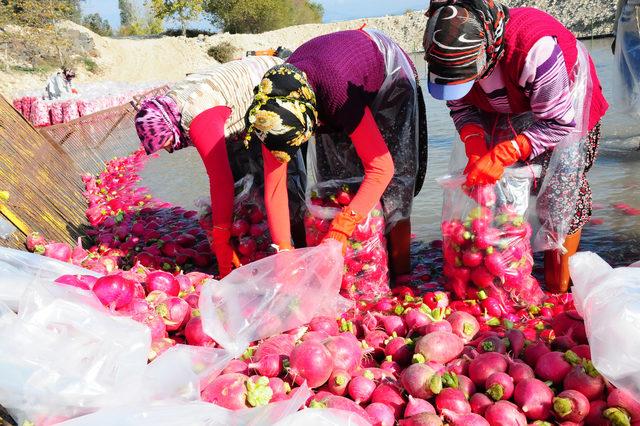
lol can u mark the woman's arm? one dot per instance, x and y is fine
(276, 199)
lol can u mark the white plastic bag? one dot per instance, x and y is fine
(323, 417)
(18, 269)
(609, 301)
(195, 414)
(627, 60)
(272, 295)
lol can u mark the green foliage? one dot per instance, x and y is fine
(182, 11)
(127, 13)
(256, 16)
(98, 25)
(148, 24)
(90, 65)
(222, 52)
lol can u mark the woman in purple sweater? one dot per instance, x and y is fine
(523, 68)
(357, 92)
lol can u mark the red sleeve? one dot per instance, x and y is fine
(276, 199)
(377, 161)
(207, 134)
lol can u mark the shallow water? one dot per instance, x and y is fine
(615, 178)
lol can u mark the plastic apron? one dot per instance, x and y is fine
(402, 122)
(554, 212)
(627, 59)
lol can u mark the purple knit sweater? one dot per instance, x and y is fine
(346, 71)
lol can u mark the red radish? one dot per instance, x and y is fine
(36, 243)
(268, 366)
(239, 228)
(338, 382)
(278, 386)
(417, 406)
(482, 277)
(499, 386)
(505, 413)
(468, 419)
(236, 366)
(415, 319)
(399, 351)
(114, 291)
(345, 351)
(570, 323)
(454, 400)
(195, 335)
(376, 338)
(563, 343)
(583, 351)
(443, 326)
(495, 263)
(192, 299)
(534, 397)
(394, 324)
(312, 362)
(390, 395)
(516, 341)
(58, 251)
(326, 324)
(472, 258)
(280, 344)
(439, 346)
(484, 365)
(553, 366)
(361, 387)
(586, 380)
(421, 381)
(175, 312)
(75, 281)
(596, 414)
(343, 198)
(422, 419)
(466, 385)
(492, 344)
(534, 351)
(380, 414)
(163, 281)
(520, 371)
(464, 325)
(570, 406)
(623, 408)
(479, 403)
(228, 391)
(326, 400)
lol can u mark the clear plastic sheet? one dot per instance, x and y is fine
(396, 111)
(609, 301)
(366, 272)
(486, 237)
(627, 60)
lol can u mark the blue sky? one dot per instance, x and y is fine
(335, 10)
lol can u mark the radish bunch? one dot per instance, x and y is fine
(489, 249)
(366, 273)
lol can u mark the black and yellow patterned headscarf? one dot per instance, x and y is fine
(283, 114)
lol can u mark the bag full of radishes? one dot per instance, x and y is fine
(487, 237)
(366, 273)
(249, 231)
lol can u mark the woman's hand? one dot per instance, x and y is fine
(343, 225)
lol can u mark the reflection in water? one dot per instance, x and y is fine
(180, 178)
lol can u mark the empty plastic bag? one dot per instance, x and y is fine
(609, 301)
(323, 417)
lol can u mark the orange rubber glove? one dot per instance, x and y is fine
(490, 167)
(343, 225)
(225, 254)
(475, 145)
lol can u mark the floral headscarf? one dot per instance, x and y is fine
(283, 114)
(157, 121)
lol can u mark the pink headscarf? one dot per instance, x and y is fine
(157, 121)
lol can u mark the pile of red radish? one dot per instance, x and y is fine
(412, 356)
(365, 272)
(490, 249)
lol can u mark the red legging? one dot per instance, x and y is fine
(207, 135)
(378, 171)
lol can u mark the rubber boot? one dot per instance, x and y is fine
(399, 247)
(556, 265)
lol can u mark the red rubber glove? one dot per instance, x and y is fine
(225, 255)
(276, 199)
(490, 167)
(343, 225)
(475, 145)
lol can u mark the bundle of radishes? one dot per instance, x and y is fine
(487, 247)
(250, 235)
(366, 272)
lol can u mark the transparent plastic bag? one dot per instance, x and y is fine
(195, 414)
(486, 238)
(323, 417)
(609, 301)
(19, 269)
(263, 298)
(366, 272)
(627, 60)
(396, 111)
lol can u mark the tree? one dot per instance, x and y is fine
(98, 25)
(142, 23)
(127, 13)
(182, 11)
